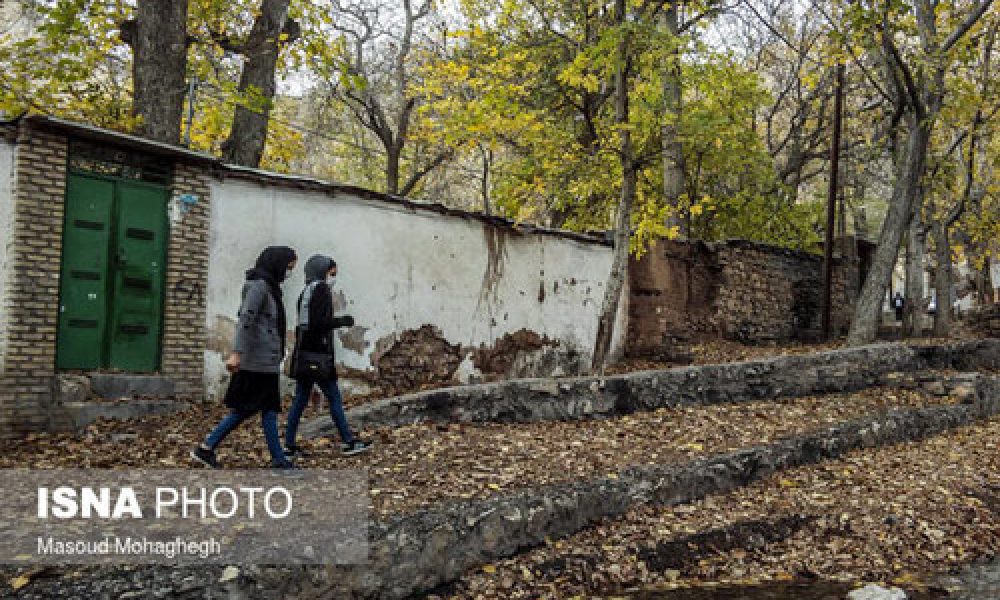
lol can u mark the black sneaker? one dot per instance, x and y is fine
(295, 452)
(355, 447)
(205, 457)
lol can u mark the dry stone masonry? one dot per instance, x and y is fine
(986, 320)
(529, 400)
(738, 290)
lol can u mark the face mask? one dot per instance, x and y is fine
(330, 279)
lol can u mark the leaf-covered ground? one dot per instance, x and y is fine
(900, 514)
(418, 465)
(794, 524)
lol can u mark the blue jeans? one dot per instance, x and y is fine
(268, 421)
(331, 390)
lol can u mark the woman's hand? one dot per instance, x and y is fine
(233, 363)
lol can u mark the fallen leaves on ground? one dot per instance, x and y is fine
(418, 465)
(897, 514)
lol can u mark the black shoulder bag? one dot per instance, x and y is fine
(316, 366)
(311, 365)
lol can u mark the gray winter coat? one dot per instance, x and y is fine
(257, 337)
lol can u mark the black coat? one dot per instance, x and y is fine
(322, 323)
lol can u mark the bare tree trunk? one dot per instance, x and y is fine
(623, 221)
(942, 280)
(248, 135)
(915, 260)
(868, 311)
(158, 37)
(673, 150)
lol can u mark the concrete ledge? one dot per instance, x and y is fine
(415, 553)
(114, 386)
(81, 414)
(529, 400)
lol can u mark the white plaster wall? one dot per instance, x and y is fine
(7, 150)
(400, 269)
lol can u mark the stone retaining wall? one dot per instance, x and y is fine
(986, 320)
(736, 289)
(415, 553)
(530, 400)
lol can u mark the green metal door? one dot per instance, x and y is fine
(138, 260)
(111, 291)
(83, 296)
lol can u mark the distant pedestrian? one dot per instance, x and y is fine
(898, 302)
(313, 361)
(255, 363)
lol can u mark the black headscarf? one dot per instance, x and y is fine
(271, 266)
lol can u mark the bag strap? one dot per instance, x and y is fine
(303, 322)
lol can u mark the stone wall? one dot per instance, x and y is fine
(739, 290)
(531, 400)
(986, 320)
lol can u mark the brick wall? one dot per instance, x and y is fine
(28, 382)
(684, 291)
(31, 303)
(183, 347)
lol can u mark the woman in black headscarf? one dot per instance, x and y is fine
(255, 363)
(314, 334)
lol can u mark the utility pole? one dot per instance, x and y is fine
(192, 86)
(831, 202)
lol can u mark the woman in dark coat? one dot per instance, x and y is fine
(255, 363)
(314, 333)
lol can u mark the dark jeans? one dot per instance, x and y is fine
(331, 390)
(268, 421)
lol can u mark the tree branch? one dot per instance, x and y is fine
(966, 25)
(415, 178)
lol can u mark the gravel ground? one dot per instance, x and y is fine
(902, 515)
